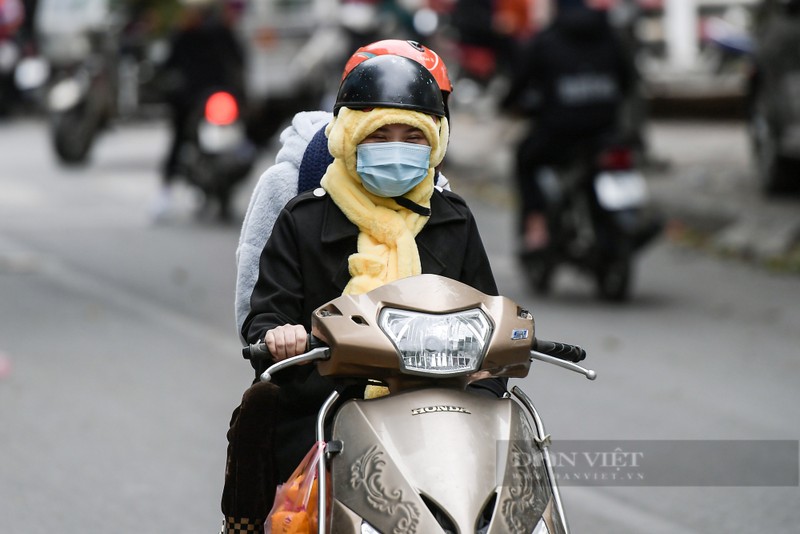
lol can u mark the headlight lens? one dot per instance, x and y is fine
(447, 344)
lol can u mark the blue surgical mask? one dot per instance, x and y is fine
(392, 169)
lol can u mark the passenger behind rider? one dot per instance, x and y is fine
(377, 217)
(573, 77)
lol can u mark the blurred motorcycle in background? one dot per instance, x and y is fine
(583, 199)
(96, 75)
(77, 40)
(598, 218)
(215, 153)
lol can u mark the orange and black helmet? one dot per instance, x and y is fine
(410, 49)
(390, 81)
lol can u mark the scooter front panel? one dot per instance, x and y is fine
(456, 449)
(368, 482)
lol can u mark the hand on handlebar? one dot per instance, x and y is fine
(286, 341)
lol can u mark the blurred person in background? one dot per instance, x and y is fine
(205, 53)
(488, 35)
(572, 78)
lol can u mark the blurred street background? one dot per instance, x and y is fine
(119, 356)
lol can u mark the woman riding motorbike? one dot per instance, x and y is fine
(377, 217)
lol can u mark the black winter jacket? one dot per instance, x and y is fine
(305, 261)
(305, 264)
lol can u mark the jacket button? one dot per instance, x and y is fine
(319, 192)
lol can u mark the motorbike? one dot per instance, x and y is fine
(598, 218)
(215, 151)
(79, 43)
(97, 72)
(80, 104)
(432, 455)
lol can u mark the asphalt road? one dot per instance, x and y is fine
(119, 361)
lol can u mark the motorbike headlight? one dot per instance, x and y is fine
(65, 94)
(447, 344)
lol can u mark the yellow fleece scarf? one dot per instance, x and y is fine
(386, 248)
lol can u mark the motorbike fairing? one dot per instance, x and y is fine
(466, 458)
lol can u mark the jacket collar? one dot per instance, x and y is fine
(336, 227)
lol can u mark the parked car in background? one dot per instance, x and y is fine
(774, 95)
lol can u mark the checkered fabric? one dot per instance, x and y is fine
(242, 525)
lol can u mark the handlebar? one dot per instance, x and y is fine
(319, 353)
(259, 350)
(255, 351)
(554, 352)
(562, 355)
(317, 350)
(562, 351)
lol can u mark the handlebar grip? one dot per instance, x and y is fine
(259, 350)
(255, 350)
(314, 342)
(562, 351)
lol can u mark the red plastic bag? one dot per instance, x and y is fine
(295, 510)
